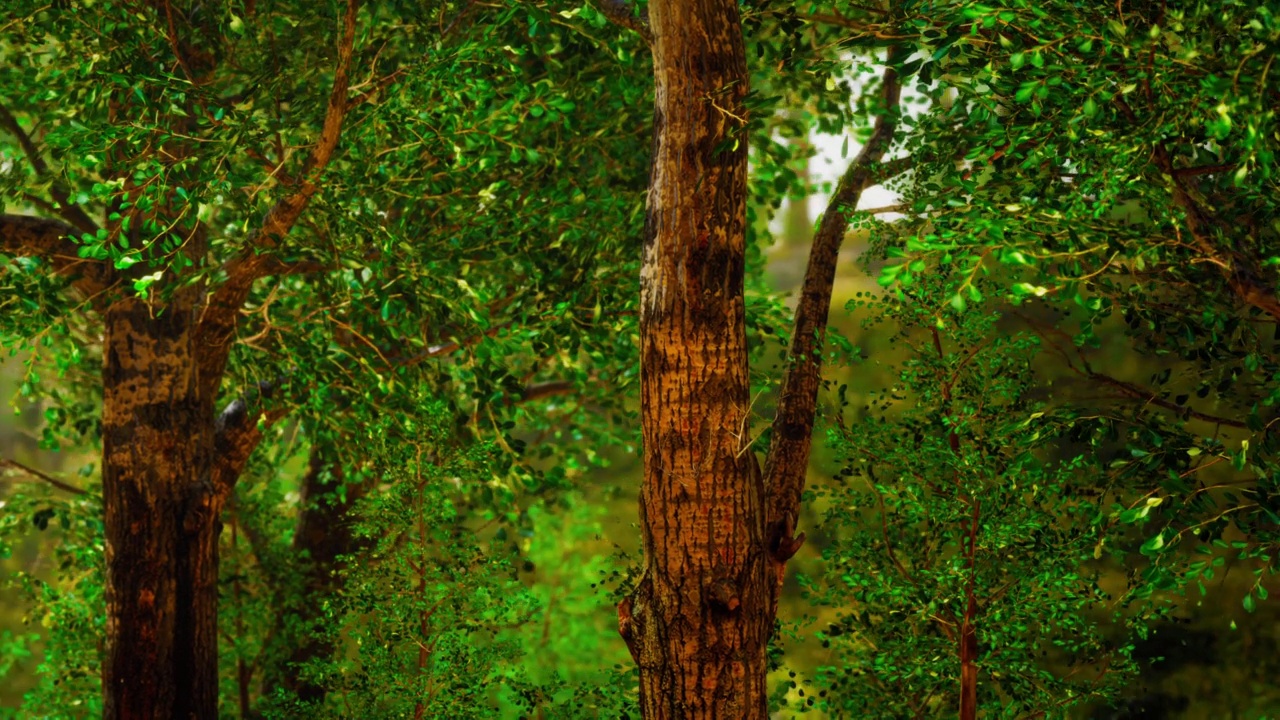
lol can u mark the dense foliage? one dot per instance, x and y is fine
(1053, 435)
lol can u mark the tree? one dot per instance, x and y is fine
(961, 553)
(717, 531)
(225, 182)
(1116, 194)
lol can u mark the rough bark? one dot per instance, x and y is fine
(697, 624)
(168, 463)
(161, 519)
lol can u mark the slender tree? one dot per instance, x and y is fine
(717, 531)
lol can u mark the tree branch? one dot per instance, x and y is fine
(27, 470)
(890, 169)
(238, 430)
(1203, 170)
(69, 212)
(788, 457)
(1136, 392)
(551, 388)
(24, 236)
(863, 28)
(219, 322)
(622, 14)
(1242, 273)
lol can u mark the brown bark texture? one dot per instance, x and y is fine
(716, 542)
(788, 458)
(161, 519)
(698, 621)
(168, 461)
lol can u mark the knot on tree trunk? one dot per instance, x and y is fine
(200, 508)
(723, 596)
(783, 544)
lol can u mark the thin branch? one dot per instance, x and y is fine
(622, 14)
(453, 346)
(1203, 170)
(863, 28)
(1241, 272)
(175, 45)
(450, 347)
(27, 470)
(69, 212)
(551, 388)
(456, 20)
(890, 169)
(900, 208)
(788, 457)
(884, 528)
(1137, 392)
(219, 322)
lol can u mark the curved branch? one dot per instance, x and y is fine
(219, 322)
(1136, 392)
(69, 212)
(788, 457)
(27, 470)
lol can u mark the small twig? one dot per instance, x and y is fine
(619, 12)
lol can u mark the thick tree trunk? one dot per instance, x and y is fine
(161, 519)
(699, 621)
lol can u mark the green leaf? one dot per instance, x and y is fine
(1153, 545)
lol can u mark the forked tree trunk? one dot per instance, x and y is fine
(161, 519)
(698, 623)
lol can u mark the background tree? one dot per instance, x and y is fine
(1117, 190)
(961, 552)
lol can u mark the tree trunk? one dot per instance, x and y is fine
(161, 519)
(698, 623)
